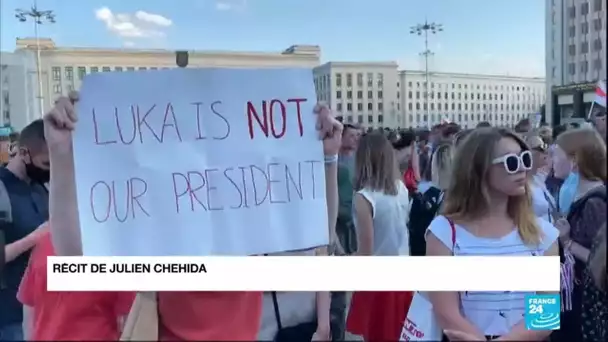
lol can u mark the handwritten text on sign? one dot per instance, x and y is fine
(199, 162)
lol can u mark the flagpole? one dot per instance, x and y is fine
(590, 110)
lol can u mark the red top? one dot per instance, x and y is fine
(81, 316)
(209, 316)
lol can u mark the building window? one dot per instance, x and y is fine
(57, 88)
(349, 80)
(370, 94)
(360, 119)
(94, 69)
(106, 69)
(359, 94)
(584, 47)
(338, 94)
(597, 24)
(572, 49)
(143, 68)
(370, 106)
(380, 119)
(349, 107)
(572, 31)
(119, 69)
(370, 79)
(597, 44)
(597, 5)
(69, 73)
(56, 74)
(409, 106)
(339, 107)
(360, 80)
(360, 107)
(130, 69)
(338, 80)
(380, 94)
(584, 8)
(571, 68)
(349, 94)
(597, 64)
(380, 80)
(572, 12)
(380, 106)
(370, 119)
(81, 72)
(585, 27)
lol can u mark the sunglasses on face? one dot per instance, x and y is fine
(513, 162)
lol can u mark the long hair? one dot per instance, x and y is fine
(375, 165)
(587, 148)
(467, 197)
(441, 166)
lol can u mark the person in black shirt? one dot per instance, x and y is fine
(23, 180)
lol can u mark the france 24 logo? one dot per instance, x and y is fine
(542, 312)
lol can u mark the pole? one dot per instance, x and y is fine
(590, 110)
(426, 78)
(38, 69)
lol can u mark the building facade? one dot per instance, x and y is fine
(62, 69)
(468, 99)
(379, 95)
(360, 92)
(575, 56)
(17, 90)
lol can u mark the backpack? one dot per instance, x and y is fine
(423, 210)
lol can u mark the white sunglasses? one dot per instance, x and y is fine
(513, 162)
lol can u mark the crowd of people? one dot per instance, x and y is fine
(440, 192)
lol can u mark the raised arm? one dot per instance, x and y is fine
(63, 211)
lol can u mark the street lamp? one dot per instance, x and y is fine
(39, 17)
(425, 29)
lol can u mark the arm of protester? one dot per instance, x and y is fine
(416, 163)
(63, 211)
(446, 305)
(519, 332)
(365, 224)
(330, 131)
(27, 294)
(15, 249)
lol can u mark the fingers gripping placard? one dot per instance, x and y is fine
(199, 162)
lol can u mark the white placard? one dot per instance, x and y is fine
(199, 162)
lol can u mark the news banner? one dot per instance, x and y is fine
(303, 273)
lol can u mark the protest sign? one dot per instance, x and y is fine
(199, 162)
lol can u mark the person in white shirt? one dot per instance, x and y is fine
(487, 211)
(543, 203)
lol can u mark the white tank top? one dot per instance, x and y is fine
(390, 215)
(493, 313)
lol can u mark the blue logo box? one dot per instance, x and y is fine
(542, 312)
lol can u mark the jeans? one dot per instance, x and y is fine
(11, 332)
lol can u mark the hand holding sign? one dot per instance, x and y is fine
(59, 123)
(330, 129)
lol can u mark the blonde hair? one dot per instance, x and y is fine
(376, 165)
(441, 166)
(587, 148)
(467, 197)
(597, 262)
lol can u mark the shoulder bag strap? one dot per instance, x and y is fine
(453, 227)
(277, 313)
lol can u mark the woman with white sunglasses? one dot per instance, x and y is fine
(487, 211)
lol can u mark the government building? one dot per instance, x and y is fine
(25, 96)
(377, 94)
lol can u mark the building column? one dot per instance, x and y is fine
(556, 115)
(579, 105)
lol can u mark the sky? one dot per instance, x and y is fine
(503, 37)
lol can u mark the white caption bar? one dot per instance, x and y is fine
(297, 273)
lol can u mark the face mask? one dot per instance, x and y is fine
(567, 192)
